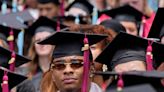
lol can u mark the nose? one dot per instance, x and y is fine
(68, 70)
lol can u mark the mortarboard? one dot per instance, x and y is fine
(13, 78)
(131, 47)
(135, 78)
(114, 25)
(71, 43)
(82, 4)
(136, 88)
(125, 13)
(22, 16)
(5, 56)
(49, 1)
(43, 23)
(157, 28)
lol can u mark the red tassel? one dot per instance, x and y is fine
(149, 56)
(12, 61)
(86, 66)
(11, 40)
(120, 83)
(62, 8)
(58, 25)
(104, 86)
(5, 86)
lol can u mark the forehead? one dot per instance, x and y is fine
(68, 57)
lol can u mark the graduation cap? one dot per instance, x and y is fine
(114, 25)
(5, 57)
(134, 78)
(22, 16)
(12, 78)
(70, 43)
(125, 13)
(126, 47)
(157, 28)
(44, 24)
(81, 4)
(136, 88)
(49, 1)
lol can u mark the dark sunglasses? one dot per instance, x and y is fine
(61, 64)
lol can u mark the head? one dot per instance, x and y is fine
(37, 50)
(129, 22)
(129, 60)
(48, 8)
(79, 8)
(40, 34)
(112, 27)
(138, 4)
(67, 67)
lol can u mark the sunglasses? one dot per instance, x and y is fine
(61, 64)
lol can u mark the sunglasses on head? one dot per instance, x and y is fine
(61, 64)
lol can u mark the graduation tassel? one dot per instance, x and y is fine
(12, 61)
(20, 42)
(62, 8)
(4, 7)
(11, 40)
(5, 86)
(77, 20)
(86, 65)
(11, 47)
(94, 15)
(14, 6)
(120, 83)
(149, 56)
(58, 25)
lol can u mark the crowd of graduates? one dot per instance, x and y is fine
(81, 46)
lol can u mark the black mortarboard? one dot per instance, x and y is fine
(137, 47)
(49, 1)
(125, 13)
(135, 78)
(44, 23)
(5, 56)
(114, 25)
(82, 4)
(13, 78)
(157, 28)
(70, 43)
(136, 88)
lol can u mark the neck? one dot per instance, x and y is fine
(44, 63)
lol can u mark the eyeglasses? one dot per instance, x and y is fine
(61, 64)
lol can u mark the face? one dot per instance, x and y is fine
(96, 49)
(49, 10)
(138, 4)
(130, 27)
(67, 73)
(162, 40)
(76, 12)
(130, 66)
(42, 50)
